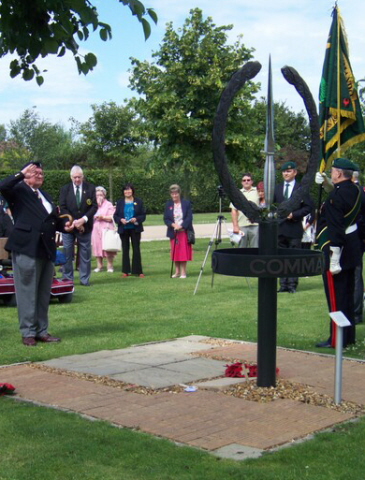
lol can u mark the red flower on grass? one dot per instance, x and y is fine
(6, 389)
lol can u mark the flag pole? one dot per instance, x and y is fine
(338, 85)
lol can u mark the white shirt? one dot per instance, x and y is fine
(80, 193)
(291, 186)
(43, 199)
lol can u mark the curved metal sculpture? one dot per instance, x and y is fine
(247, 72)
(266, 262)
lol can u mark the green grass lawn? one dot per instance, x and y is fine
(152, 220)
(114, 313)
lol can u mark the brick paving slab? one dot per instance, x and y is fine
(205, 419)
(202, 419)
(317, 371)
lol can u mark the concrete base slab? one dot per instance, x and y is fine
(154, 377)
(234, 451)
(223, 383)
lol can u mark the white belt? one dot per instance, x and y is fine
(351, 228)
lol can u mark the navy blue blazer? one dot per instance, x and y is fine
(34, 228)
(88, 205)
(139, 214)
(168, 216)
(292, 228)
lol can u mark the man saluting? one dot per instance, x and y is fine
(33, 249)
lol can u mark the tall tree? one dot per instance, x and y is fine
(34, 28)
(111, 136)
(180, 92)
(292, 134)
(35, 138)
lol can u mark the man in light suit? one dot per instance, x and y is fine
(33, 248)
(290, 229)
(78, 199)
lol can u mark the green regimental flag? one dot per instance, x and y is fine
(341, 122)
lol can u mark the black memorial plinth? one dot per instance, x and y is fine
(267, 263)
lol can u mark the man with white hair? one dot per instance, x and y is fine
(78, 199)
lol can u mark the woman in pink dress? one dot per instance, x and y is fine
(103, 219)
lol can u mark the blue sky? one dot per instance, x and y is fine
(293, 32)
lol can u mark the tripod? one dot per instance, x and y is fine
(216, 238)
(217, 234)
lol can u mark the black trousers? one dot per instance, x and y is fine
(358, 294)
(286, 242)
(339, 291)
(135, 240)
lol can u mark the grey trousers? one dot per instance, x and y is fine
(84, 246)
(32, 281)
(250, 238)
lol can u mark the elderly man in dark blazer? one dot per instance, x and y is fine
(290, 229)
(78, 199)
(33, 248)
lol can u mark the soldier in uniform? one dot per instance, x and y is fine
(338, 238)
(290, 229)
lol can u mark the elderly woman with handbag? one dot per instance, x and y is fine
(103, 219)
(129, 216)
(179, 220)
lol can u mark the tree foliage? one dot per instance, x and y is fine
(37, 28)
(33, 138)
(111, 136)
(180, 91)
(292, 133)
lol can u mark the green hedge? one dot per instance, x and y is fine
(153, 189)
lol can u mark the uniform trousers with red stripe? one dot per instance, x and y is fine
(339, 291)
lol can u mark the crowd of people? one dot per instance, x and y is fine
(30, 220)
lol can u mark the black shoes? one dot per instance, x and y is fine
(325, 344)
(287, 289)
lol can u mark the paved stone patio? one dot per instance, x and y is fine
(208, 419)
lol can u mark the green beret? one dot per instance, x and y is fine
(344, 164)
(288, 166)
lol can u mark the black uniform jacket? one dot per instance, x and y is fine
(139, 214)
(332, 215)
(88, 205)
(292, 228)
(34, 228)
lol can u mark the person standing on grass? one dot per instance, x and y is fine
(103, 219)
(33, 249)
(129, 216)
(250, 237)
(338, 237)
(290, 229)
(178, 218)
(78, 199)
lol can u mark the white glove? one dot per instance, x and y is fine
(335, 266)
(319, 178)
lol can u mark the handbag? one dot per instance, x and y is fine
(111, 241)
(190, 236)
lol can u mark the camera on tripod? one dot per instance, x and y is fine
(220, 191)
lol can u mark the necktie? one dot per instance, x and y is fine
(78, 196)
(286, 192)
(38, 196)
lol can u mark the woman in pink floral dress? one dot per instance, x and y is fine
(103, 219)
